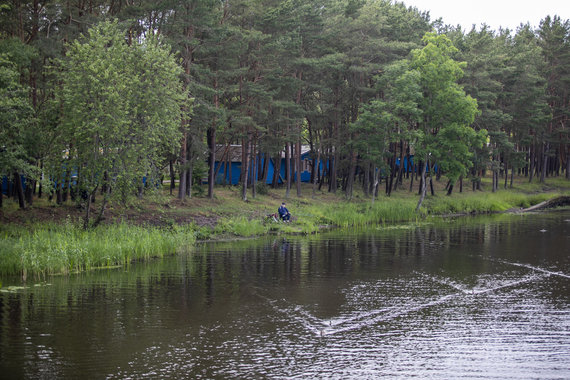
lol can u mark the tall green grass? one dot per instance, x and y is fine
(66, 248)
(482, 202)
(386, 210)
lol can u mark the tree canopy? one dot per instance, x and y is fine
(96, 96)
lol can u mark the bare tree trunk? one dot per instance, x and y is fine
(450, 188)
(334, 172)
(265, 171)
(228, 170)
(375, 184)
(99, 218)
(66, 184)
(544, 162)
(506, 174)
(19, 190)
(253, 170)
(211, 136)
(366, 182)
(246, 169)
(351, 175)
(512, 177)
(431, 172)
(183, 161)
(287, 169)
(413, 168)
(568, 165)
(316, 167)
(189, 179)
(88, 208)
(298, 165)
(172, 176)
(276, 171)
(531, 169)
(423, 186)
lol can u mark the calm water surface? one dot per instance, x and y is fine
(475, 298)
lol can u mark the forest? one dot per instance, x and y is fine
(97, 95)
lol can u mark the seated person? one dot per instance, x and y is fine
(284, 213)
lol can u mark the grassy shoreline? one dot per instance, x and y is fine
(47, 239)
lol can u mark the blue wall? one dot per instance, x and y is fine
(5, 184)
(236, 170)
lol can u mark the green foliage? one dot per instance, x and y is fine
(120, 103)
(16, 112)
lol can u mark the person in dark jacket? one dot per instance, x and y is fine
(284, 214)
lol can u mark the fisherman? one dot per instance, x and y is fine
(284, 214)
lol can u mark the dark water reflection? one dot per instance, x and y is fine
(478, 298)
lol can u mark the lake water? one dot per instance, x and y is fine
(478, 297)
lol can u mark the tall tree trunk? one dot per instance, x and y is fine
(276, 171)
(228, 170)
(400, 168)
(246, 169)
(66, 184)
(88, 208)
(531, 164)
(390, 182)
(423, 186)
(287, 169)
(99, 218)
(568, 165)
(351, 175)
(19, 188)
(366, 182)
(265, 172)
(172, 176)
(334, 172)
(450, 188)
(316, 167)
(40, 187)
(512, 177)
(183, 168)
(253, 169)
(413, 168)
(544, 163)
(375, 183)
(189, 177)
(211, 135)
(298, 165)
(506, 174)
(28, 192)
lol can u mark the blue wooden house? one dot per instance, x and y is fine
(229, 163)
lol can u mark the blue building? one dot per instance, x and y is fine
(232, 155)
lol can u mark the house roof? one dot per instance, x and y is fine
(234, 152)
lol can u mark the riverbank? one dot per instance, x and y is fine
(47, 238)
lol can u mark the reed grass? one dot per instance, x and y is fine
(67, 248)
(240, 226)
(358, 214)
(482, 202)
